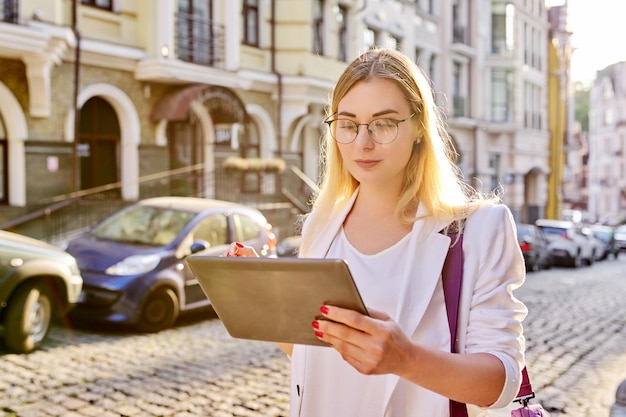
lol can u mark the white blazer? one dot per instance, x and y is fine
(489, 315)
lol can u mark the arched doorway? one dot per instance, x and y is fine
(205, 125)
(98, 144)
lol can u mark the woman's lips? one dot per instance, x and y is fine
(366, 163)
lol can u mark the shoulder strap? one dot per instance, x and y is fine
(452, 280)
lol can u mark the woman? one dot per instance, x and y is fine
(389, 187)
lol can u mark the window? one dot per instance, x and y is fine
(101, 4)
(342, 32)
(432, 67)
(214, 230)
(502, 28)
(418, 55)
(198, 38)
(318, 27)
(9, 11)
(370, 38)
(500, 95)
(246, 228)
(457, 89)
(393, 42)
(494, 166)
(251, 22)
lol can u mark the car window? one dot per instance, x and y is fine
(143, 224)
(523, 231)
(213, 229)
(246, 227)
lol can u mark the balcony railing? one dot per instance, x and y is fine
(199, 40)
(9, 11)
(59, 219)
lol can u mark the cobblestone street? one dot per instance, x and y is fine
(576, 336)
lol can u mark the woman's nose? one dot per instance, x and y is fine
(363, 135)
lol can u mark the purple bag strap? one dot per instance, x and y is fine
(452, 279)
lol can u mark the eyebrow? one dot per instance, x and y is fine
(377, 114)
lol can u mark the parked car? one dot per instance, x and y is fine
(606, 234)
(132, 262)
(38, 283)
(620, 237)
(289, 246)
(534, 246)
(568, 245)
(596, 244)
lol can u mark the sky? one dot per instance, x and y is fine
(598, 36)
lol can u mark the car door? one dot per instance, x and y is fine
(213, 231)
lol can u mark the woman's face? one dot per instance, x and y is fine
(371, 163)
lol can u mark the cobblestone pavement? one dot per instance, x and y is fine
(576, 354)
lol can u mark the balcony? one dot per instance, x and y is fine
(199, 40)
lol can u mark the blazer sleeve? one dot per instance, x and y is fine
(491, 315)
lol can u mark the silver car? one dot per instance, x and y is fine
(568, 246)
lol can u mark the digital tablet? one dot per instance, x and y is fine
(274, 299)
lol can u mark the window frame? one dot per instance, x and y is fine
(94, 3)
(251, 22)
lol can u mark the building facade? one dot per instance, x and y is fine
(607, 145)
(101, 92)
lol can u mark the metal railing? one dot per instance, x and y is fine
(199, 40)
(60, 218)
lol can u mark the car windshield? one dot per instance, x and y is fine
(146, 225)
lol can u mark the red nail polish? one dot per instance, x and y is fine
(239, 245)
(319, 334)
(324, 310)
(315, 325)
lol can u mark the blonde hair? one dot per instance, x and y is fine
(431, 177)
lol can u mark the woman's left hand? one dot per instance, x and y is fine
(372, 344)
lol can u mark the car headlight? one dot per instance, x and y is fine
(134, 265)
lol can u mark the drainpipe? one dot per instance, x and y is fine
(279, 84)
(76, 89)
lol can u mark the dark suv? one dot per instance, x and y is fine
(38, 283)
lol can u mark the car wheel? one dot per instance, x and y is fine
(160, 311)
(28, 318)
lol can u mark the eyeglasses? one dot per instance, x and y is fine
(382, 131)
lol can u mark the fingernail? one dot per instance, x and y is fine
(239, 245)
(324, 310)
(319, 334)
(315, 324)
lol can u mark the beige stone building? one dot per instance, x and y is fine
(178, 86)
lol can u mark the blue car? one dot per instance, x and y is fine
(132, 262)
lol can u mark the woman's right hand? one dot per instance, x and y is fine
(239, 249)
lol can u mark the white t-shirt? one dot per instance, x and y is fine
(378, 277)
